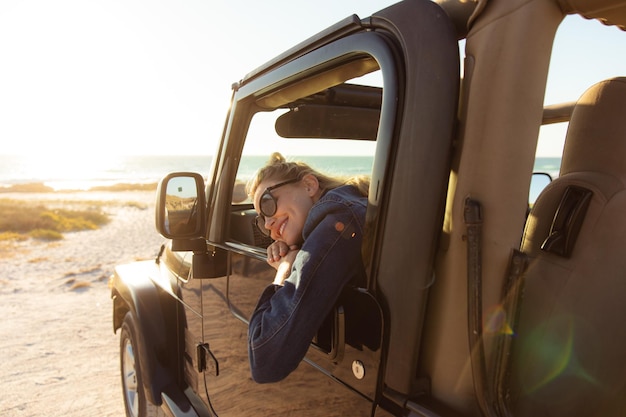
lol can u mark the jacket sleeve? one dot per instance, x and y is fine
(286, 318)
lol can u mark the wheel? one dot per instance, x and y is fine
(135, 401)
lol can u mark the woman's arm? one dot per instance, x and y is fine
(286, 318)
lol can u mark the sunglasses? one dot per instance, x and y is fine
(268, 204)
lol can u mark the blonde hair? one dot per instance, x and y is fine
(277, 168)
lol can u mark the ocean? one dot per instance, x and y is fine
(77, 173)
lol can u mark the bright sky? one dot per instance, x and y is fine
(154, 76)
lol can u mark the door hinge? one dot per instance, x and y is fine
(207, 362)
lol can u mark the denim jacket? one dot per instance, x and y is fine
(287, 317)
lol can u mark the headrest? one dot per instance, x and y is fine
(596, 136)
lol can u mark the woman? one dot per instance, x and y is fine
(317, 224)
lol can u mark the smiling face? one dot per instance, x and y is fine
(293, 202)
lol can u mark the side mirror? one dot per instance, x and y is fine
(181, 206)
(538, 182)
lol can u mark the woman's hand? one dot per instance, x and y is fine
(276, 251)
(281, 256)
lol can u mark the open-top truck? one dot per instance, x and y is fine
(479, 301)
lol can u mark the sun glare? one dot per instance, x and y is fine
(71, 171)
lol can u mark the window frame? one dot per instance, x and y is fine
(252, 97)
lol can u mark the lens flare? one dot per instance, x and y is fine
(496, 321)
(550, 350)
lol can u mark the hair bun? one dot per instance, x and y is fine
(276, 158)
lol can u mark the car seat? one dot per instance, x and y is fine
(568, 354)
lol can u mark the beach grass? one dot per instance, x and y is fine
(39, 187)
(126, 187)
(4, 236)
(20, 219)
(34, 187)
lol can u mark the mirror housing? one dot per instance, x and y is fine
(181, 210)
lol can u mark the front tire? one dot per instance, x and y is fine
(135, 401)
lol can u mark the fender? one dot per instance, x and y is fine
(154, 311)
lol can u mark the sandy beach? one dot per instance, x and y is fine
(60, 355)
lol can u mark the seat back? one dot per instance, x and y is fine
(569, 350)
